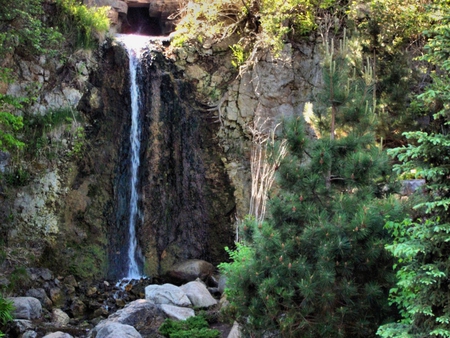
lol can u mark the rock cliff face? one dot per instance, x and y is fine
(195, 177)
(187, 200)
(261, 96)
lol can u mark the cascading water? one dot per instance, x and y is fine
(171, 199)
(134, 45)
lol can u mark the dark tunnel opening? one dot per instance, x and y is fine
(139, 22)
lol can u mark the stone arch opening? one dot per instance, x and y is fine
(138, 21)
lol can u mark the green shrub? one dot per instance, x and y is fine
(46, 131)
(266, 22)
(19, 279)
(18, 177)
(23, 29)
(192, 327)
(81, 23)
(6, 309)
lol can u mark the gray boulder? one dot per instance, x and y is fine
(222, 283)
(198, 294)
(177, 312)
(189, 271)
(41, 274)
(117, 330)
(411, 186)
(143, 315)
(60, 318)
(42, 296)
(30, 334)
(235, 331)
(26, 307)
(167, 294)
(20, 326)
(58, 334)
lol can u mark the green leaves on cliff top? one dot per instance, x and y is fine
(82, 24)
(36, 27)
(22, 28)
(268, 20)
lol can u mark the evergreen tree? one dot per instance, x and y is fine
(421, 243)
(318, 267)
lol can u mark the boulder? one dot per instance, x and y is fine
(41, 295)
(411, 186)
(117, 330)
(71, 284)
(26, 307)
(30, 334)
(198, 294)
(60, 318)
(222, 283)
(78, 308)
(235, 331)
(40, 274)
(177, 312)
(141, 314)
(56, 296)
(189, 271)
(166, 294)
(58, 334)
(20, 326)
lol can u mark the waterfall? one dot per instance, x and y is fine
(134, 45)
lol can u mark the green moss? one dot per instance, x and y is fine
(89, 262)
(84, 261)
(192, 327)
(18, 279)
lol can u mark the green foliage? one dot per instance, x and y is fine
(18, 279)
(196, 326)
(46, 132)
(85, 260)
(82, 24)
(390, 31)
(268, 21)
(318, 266)
(89, 262)
(10, 124)
(347, 106)
(421, 244)
(79, 143)
(21, 28)
(17, 177)
(239, 55)
(6, 310)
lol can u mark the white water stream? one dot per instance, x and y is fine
(134, 45)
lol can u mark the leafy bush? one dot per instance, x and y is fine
(17, 177)
(10, 123)
(192, 327)
(21, 27)
(45, 132)
(6, 309)
(268, 20)
(19, 279)
(83, 24)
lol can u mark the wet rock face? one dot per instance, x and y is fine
(106, 108)
(187, 199)
(187, 196)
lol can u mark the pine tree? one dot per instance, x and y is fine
(317, 267)
(421, 243)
